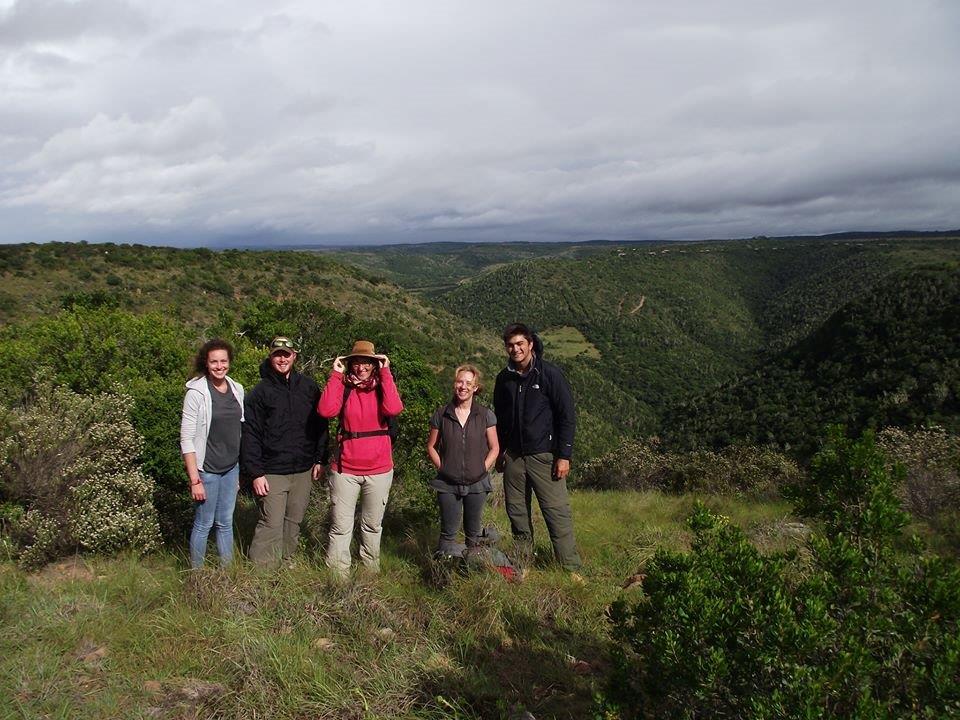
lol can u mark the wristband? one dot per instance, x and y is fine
(198, 482)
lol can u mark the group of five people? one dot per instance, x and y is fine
(277, 434)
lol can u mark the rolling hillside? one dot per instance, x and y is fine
(643, 329)
(888, 358)
(200, 288)
(436, 267)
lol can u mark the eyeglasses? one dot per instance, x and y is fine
(282, 342)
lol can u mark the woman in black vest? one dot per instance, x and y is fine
(463, 447)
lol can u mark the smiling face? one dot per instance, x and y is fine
(362, 367)
(519, 350)
(218, 365)
(465, 385)
(282, 361)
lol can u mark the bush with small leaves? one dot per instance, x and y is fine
(70, 461)
(91, 349)
(851, 628)
(850, 490)
(644, 465)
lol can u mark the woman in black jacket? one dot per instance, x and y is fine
(463, 447)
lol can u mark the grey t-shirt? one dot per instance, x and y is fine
(223, 440)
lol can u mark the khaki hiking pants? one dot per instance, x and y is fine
(345, 489)
(281, 512)
(528, 475)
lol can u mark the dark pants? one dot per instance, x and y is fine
(451, 508)
(527, 475)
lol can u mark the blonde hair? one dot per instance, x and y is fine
(477, 375)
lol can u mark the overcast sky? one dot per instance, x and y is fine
(402, 121)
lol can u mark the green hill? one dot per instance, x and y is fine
(91, 317)
(891, 357)
(672, 323)
(435, 267)
(201, 288)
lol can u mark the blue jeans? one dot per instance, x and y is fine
(216, 510)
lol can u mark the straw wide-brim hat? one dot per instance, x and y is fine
(363, 348)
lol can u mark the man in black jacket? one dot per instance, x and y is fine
(284, 449)
(535, 426)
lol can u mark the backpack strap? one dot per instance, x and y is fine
(348, 435)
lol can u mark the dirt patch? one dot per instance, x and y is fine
(184, 697)
(74, 569)
(91, 654)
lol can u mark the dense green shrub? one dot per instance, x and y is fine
(851, 628)
(70, 462)
(645, 465)
(90, 300)
(93, 349)
(8, 305)
(851, 492)
(90, 346)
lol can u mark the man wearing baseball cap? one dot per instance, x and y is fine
(284, 450)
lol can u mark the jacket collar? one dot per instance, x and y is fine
(534, 367)
(200, 383)
(268, 373)
(451, 409)
(197, 383)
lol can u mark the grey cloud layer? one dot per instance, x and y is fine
(29, 22)
(540, 120)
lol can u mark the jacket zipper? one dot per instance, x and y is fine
(520, 413)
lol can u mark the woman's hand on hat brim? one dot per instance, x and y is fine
(384, 360)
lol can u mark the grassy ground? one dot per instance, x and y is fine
(568, 342)
(124, 637)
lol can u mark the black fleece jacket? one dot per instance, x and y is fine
(535, 412)
(282, 432)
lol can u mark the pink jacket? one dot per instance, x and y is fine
(366, 455)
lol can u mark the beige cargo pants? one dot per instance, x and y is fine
(345, 489)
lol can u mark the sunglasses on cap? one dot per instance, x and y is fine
(282, 343)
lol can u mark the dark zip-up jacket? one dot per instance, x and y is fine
(463, 448)
(535, 412)
(282, 432)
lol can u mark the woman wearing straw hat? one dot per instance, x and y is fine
(362, 394)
